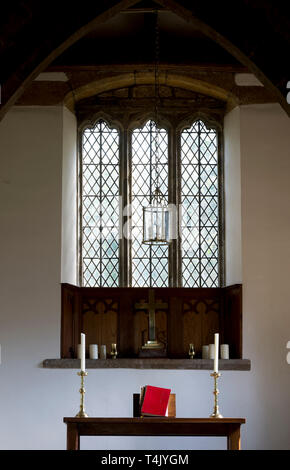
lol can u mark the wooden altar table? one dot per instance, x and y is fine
(227, 427)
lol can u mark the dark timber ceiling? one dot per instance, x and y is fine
(220, 37)
(129, 37)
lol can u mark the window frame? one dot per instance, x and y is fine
(174, 189)
(91, 124)
(210, 124)
(161, 123)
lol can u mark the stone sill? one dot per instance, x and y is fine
(149, 363)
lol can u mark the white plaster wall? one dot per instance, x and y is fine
(265, 169)
(69, 199)
(232, 197)
(30, 269)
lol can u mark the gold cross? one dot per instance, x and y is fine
(151, 306)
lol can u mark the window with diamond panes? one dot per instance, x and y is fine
(149, 262)
(100, 206)
(200, 207)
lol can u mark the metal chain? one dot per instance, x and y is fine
(157, 161)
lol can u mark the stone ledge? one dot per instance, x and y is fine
(149, 363)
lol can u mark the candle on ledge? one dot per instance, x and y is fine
(224, 349)
(83, 352)
(211, 351)
(216, 353)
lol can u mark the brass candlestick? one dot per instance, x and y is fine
(114, 351)
(82, 413)
(216, 413)
(191, 352)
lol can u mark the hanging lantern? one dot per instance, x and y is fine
(156, 220)
(156, 227)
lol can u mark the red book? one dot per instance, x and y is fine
(155, 401)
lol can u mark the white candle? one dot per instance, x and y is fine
(83, 352)
(150, 232)
(94, 352)
(103, 352)
(205, 351)
(151, 227)
(211, 351)
(225, 354)
(216, 352)
(163, 225)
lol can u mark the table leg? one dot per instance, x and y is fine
(234, 439)
(73, 438)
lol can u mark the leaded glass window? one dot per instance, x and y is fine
(100, 206)
(149, 263)
(200, 207)
(112, 256)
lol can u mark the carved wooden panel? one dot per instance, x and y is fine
(99, 322)
(232, 320)
(191, 315)
(201, 321)
(141, 328)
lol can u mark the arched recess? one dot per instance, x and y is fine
(43, 50)
(230, 199)
(148, 78)
(101, 115)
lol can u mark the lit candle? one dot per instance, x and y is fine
(157, 227)
(83, 352)
(151, 227)
(150, 232)
(216, 353)
(163, 225)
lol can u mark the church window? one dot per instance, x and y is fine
(100, 206)
(200, 207)
(149, 262)
(194, 258)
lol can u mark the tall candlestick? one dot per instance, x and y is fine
(216, 353)
(216, 413)
(83, 352)
(82, 413)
